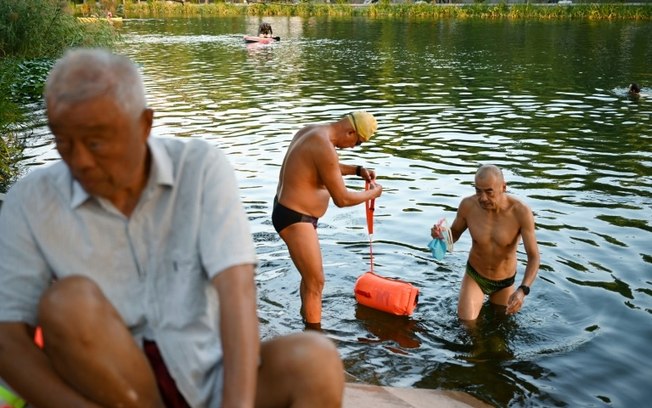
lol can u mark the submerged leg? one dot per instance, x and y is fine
(303, 245)
(470, 300)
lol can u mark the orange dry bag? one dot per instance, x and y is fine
(386, 294)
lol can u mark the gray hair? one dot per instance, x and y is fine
(83, 74)
(490, 169)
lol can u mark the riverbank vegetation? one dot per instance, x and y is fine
(33, 33)
(382, 9)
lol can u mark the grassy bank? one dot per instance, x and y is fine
(158, 9)
(33, 33)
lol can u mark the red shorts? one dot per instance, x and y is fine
(166, 385)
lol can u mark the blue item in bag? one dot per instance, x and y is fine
(438, 248)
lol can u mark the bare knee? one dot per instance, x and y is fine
(314, 283)
(70, 303)
(314, 359)
(307, 366)
(311, 346)
(325, 373)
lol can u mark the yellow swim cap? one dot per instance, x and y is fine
(364, 124)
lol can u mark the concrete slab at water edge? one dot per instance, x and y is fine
(364, 395)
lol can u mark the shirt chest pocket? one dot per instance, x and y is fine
(181, 287)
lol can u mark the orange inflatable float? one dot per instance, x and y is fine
(385, 294)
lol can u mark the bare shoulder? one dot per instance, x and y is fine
(308, 129)
(311, 138)
(520, 208)
(467, 204)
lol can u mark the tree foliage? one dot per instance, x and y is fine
(32, 34)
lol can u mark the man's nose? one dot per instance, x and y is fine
(79, 157)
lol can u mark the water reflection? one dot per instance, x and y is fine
(388, 329)
(546, 101)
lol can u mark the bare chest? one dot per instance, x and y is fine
(495, 231)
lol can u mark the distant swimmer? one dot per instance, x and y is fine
(634, 90)
(497, 221)
(265, 30)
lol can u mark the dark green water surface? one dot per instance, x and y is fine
(545, 100)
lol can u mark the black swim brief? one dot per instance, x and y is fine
(283, 217)
(489, 286)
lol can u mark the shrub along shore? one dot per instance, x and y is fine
(33, 33)
(384, 9)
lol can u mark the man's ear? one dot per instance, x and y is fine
(148, 119)
(504, 187)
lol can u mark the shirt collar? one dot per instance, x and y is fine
(161, 172)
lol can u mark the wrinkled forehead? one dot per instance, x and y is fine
(488, 181)
(104, 104)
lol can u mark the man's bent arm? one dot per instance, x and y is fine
(28, 371)
(329, 170)
(347, 169)
(526, 219)
(459, 224)
(531, 248)
(351, 170)
(239, 332)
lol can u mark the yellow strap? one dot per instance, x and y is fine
(10, 398)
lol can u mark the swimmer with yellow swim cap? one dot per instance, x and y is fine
(310, 176)
(364, 124)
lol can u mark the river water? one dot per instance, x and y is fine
(544, 100)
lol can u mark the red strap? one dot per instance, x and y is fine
(369, 209)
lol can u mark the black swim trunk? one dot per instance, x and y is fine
(488, 286)
(283, 217)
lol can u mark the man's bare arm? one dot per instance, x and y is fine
(240, 336)
(23, 364)
(459, 224)
(457, 228)
(328, 167)
(350, 170)
(530, 244)
(526, 221)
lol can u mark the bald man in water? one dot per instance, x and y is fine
(310, 175)
(497, 221)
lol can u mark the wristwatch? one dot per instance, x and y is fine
(525, 289)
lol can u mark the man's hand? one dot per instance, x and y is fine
(435, 232)
(515, 302)
(376, 188)
(367, 174)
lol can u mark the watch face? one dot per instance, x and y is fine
(526, 290)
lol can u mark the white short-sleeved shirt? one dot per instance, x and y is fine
(155, 266)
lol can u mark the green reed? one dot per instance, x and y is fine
(32, 34)
(385, 9)
(12, 144)
(40, 28)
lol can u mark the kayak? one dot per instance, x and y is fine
(260, 40)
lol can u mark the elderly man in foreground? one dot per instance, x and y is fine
(134, 256)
